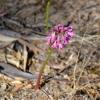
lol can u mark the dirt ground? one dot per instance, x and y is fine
(76, 67)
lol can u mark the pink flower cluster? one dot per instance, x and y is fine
(59, 36)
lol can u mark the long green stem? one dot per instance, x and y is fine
(46, 60)
(42, 68)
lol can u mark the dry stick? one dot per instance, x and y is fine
(31, 46)
(89, 6)
(76, 64)
(40, 33)
(25, 57)
(4, 44)
(46, 93)
(86, 39)
(84, 65)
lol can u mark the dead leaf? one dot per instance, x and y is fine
(3, 87)
(93, 91)
(19, 55)
(28, 86)
(72, 59)
(4, 38)
(11, 59)
(6, 77)
(93, 76)
(17, 83)
(61, 67)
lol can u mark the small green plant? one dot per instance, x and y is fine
(57, 39)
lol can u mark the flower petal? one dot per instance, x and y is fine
(71, 33)
(60, 46)
(60, 28)
(48, 40)
(53, 36)
(66, 42)
(58, 40)
(69, 28)
(54, 45)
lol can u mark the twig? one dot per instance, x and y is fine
(31, 46)
(25, 57)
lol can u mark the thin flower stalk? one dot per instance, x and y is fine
(42, 68)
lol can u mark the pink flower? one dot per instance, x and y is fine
(60, 36)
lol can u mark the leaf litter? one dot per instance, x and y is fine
(23, 26)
